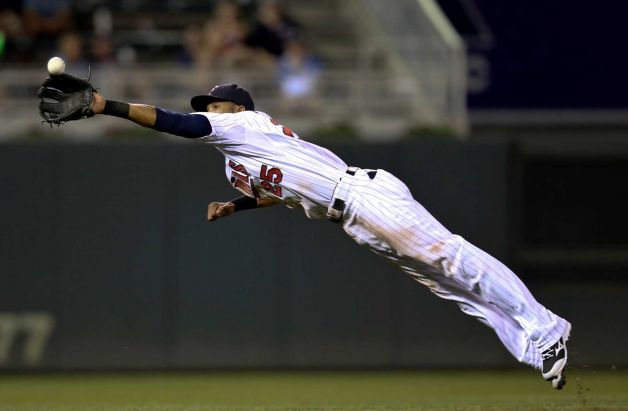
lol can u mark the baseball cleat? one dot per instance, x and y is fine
(555, 360)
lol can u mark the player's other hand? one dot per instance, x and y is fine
(217, 210)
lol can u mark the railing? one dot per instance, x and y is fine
(421, 45)
(370, 102)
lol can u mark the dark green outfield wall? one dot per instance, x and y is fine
(106, 261)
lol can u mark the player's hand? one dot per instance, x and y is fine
(217, 210)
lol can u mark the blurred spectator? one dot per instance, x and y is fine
(13, 38)
(71, 49)
(102, 50)
(221, 42)
(299, 73)
(126, 55)
(191, 50)
(46, 20)
(271, 31)
(102, 21)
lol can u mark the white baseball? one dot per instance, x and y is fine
(56, 66)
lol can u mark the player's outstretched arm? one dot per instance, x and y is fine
(178, 124)
(216, 210)
(142, 114)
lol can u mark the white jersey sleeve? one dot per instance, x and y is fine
(226, 129)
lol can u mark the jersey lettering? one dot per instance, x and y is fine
(240, 178)
(287, 131)
(238, 167)
(271, 177)
(274, 175)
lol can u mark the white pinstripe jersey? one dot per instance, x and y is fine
(265, 159)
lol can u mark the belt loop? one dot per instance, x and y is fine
(335, 211)
(336, 208)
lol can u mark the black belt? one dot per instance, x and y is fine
(337, 207)
(352, 170)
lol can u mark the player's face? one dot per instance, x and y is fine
(220, 107)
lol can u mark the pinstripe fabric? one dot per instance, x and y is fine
(381, 214)
(251, 140)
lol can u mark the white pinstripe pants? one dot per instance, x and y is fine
(382, 215)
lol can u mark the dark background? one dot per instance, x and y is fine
(111, 240)
(539, 54)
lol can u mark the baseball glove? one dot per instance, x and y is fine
(65, 98)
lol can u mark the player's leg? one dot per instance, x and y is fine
(392, 223)
(509, 331)
(499, 289)
(498, 286)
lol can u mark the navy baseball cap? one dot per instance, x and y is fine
(224, 92)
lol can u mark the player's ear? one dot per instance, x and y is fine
(238, 108)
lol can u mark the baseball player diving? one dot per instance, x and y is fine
(269, 164)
